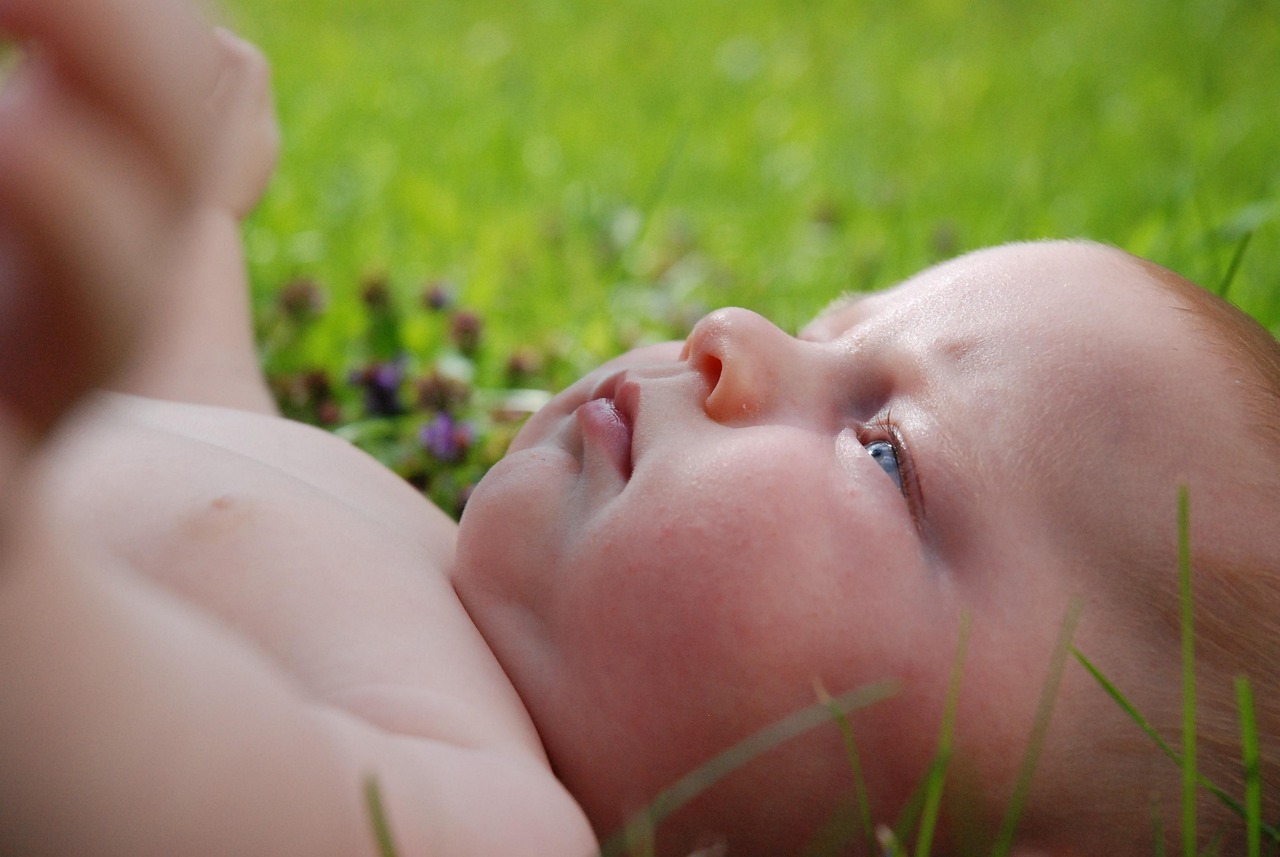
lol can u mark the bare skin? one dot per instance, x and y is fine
(231, 619)
(706, 533)
(215, 624)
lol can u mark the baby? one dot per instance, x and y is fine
(216, 626)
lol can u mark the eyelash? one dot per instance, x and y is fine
(883, 429)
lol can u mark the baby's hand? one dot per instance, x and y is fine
(125, 119)
(244, 113)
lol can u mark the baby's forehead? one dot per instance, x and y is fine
(1013, 280)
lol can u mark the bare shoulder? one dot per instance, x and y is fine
(299, 542)
(187, 445)
(185, 493)
(111, 682)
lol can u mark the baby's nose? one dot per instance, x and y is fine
(749, 364)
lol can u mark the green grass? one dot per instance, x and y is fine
(936, 777)
(586, 176)
(1250, 812)
(1252, 770)
(636, 837)
(378, 818)
(579, 167)
(1187, 625)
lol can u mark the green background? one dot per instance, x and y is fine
(584, 176)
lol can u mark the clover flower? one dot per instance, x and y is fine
(438, 296)
(380, 382)
(440, 392)
(464, 329)
(375, 293)
(523, 366)
(301, 298)
(446, 438)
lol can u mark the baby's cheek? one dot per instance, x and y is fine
(707, 588)
(509, 540)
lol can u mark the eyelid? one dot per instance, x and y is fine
(884, 429)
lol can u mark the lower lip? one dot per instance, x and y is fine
(604, 426)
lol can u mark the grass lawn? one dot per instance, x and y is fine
(567, 178)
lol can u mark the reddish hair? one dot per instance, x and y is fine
(1236, 584)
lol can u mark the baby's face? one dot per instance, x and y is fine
(681, 545)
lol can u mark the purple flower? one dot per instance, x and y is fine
(381, 383)
(438, 296)
(387, 376)
(446, 438)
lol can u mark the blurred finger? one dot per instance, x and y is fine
(82, 227)
(153, 63)
(248, 133)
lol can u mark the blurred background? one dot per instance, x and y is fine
(479, 200)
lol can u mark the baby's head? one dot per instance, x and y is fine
(683, 544)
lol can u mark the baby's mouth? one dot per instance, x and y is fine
(608, 417)
(603, 425)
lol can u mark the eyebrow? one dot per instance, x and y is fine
(843, 302)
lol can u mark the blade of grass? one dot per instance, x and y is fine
(639, 839)
(863, 806)
(695, 783)
(909, 817)
(1039, 729)
(938, 771)
(1119, 698)
(1224, 288)
(913, 808)
(10, 58)
(837, 834)
(1213, 849)
(1129, 709)
(1188, 675)
(662, 181)
(1252, 769)
(378, 817)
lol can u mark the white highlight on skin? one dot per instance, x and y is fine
(848, 451)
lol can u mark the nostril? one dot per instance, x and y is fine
(708, 366)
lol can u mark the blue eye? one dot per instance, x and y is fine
(886, 456)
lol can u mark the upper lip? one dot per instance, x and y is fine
(623, 390)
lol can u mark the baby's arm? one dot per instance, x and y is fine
(96, 183)
(130, 721)
(120, 183)
(203, 351)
